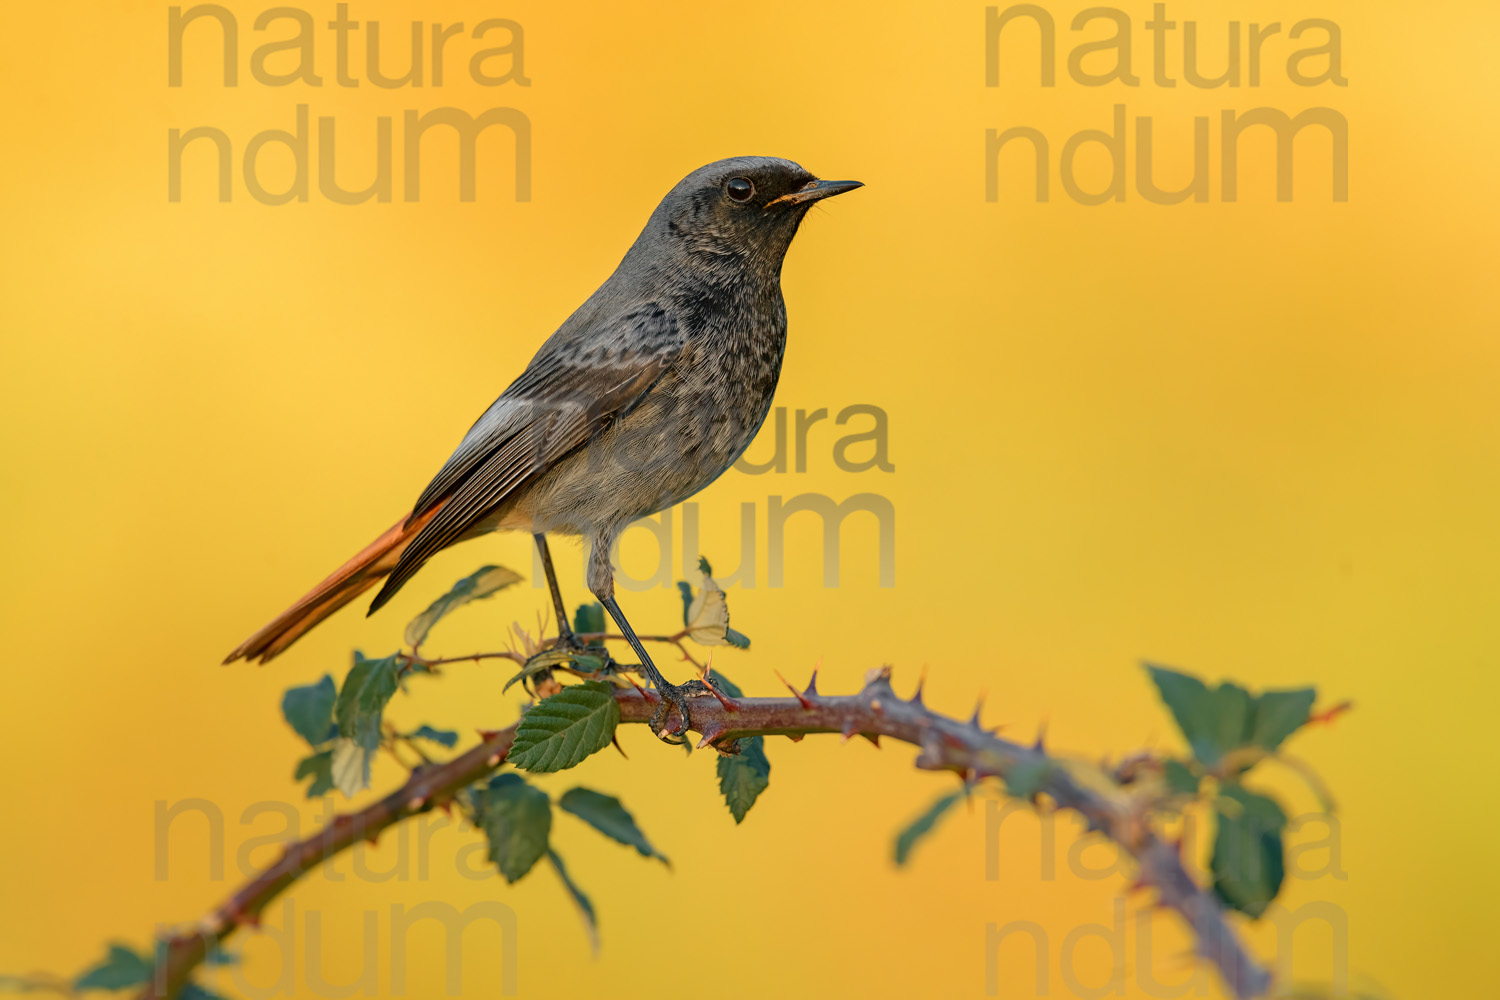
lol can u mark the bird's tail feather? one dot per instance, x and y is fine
(372, 564)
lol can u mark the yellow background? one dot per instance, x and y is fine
(1253, 440)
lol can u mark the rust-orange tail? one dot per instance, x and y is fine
(373, 563)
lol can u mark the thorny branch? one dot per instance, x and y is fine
(947, 744)
(677, 639)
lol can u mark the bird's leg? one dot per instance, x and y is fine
(671, 695)
(602, 583)
(564, 630)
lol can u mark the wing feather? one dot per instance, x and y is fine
(574, 387)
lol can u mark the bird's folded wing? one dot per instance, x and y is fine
(573, 387)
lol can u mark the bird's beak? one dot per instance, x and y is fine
(814, 191)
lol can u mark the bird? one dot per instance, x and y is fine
(645, 395)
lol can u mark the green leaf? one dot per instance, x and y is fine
(1180, 779)
(446, 737)
(559, 732)
(922, 825)
(192, 991)
(309, 709)
(585, 906)
(589, 618)
(517, 819)
(1226, 726)
(686, 590)
(1185, 696)
(738, 640)
(320, 768)
(605, 814)
(1279, 714)
(732, 690)
(367, 688)
(1248, 862)
(1218, 721)
(121, 968)
(547, 659)
(704, 567)
(745, 775)
(484, 582)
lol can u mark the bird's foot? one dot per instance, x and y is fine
(666, 728)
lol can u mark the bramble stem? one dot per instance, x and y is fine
(946, 745)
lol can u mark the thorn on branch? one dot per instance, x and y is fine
(916, 698)
(646, 693)
(801, 698)
(812, 685)
(728, 703)
(1327, 716)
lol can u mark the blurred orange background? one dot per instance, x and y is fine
(1251, 440)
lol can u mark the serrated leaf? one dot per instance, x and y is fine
(517, 819)
(922, 825)
(1217, 721)
(561, 731)
(121, 968)
(484, 582)
(1180, 779)
(309, 709)
(580, 899)
(1248, 862)
(745, 775)
(445, 737)
(605, 814)
(349, 766)
(708, 617)
(367, 689)
(738, 640)
(1279, 714)
(320, 768)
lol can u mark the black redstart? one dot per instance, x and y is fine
(644, 396)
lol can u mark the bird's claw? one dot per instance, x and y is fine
(671, 697)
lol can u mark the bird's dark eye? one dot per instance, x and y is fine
(740, 189)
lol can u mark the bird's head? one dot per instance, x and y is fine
(746, 208)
